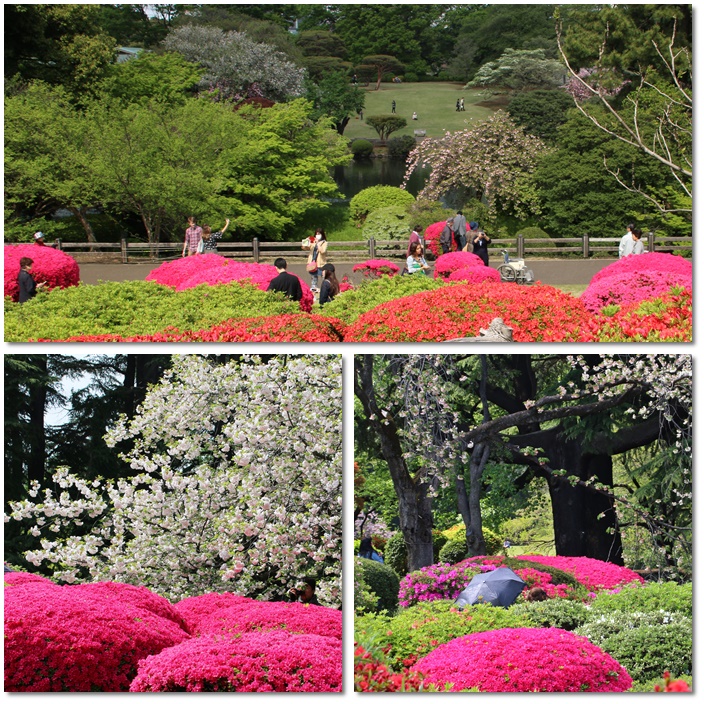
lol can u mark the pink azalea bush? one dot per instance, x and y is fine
(432, 238)
(524, 660)
(631, 287)
(376, 268)
(15, 578)
(68, 639)
(194, 609)
(50, 265)
(475, 274)
(454, 261)
(274, 661)
(435, 582)
(649, 261)
(596, 575)
(247, 616)
(212, 269)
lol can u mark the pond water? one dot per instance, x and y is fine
(363, 173)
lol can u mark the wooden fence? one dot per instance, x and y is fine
(255, 250)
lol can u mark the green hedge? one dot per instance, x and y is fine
(389, 223)
(553, 613)
(668, 596)
(135, 308)
(395, 554)
(361, 148)
(375, 197)
(382, 581)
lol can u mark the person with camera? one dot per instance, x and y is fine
(479, 241)
(305, 593)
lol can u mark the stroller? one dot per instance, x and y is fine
(515, 270)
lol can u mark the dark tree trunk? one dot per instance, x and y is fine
(340, 126)
(82, 215)
(37, 439)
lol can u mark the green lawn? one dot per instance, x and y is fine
(434, 103)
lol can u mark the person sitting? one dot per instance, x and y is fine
(305, 593)
(416, 262)
(415, 116)
(366, 550)
(330, 286)
(288, 284)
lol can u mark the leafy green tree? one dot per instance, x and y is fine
(320, 67)
(335, 97)
(131, 25)
(386, 124)
(540, 112)
(316, 42)
(520, 70)
(379, 64)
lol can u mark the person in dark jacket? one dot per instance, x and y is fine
(287, 283)
(330, 286)
(28, 287)
(446, 237)
(306, 594)
(480, 241)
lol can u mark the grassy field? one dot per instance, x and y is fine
(434, 103)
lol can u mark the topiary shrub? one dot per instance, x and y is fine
(275, 661)
(396, 555)
(375, 197)
(668, 596)
(389, 223)
(50, 265)
(416, 631)
(400, 147)
(364, 600)
(552, 613)
(382, 581)
(361, 148)
(524, 660)
(453, 551)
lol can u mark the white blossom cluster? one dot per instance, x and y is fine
(237, 486)
(236, 65)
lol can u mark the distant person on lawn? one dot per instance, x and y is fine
(27, 285)
(194, 234)
(287, 283)
(393, 107)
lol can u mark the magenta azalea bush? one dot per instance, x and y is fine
(376, 268)
(454, 261)
(593, 574)
(475, 274)
(631, 287)
(435, 582)
(212, 269)
(50, 265)
(68, 639)
(649, 261)
(252, 662)
(15, 578)
(523, 660)
(194, 609)
(266, 616)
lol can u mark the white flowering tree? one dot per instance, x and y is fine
(235, 65)
(236, 486)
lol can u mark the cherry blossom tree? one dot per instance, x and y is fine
(494, 159)
(236, 486)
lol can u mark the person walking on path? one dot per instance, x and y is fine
(457, 105)
(459, 228)
(624, 246)
(445, 237)
(416, 261)
(413, 239)
(317, 257)
(462, 105)
(330, 286)
(480, 241)
(27, 285)
(194, 234)
(210, 239)
(393, 107)
(288, 284)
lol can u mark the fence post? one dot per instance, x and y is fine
(123, 249)
(59, 244)
(521, 246)
(255, 250)
(372, 248)
(651, 241)
(585, 246)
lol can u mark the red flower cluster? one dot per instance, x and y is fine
(671, 685)
(282, 328)
(475, 274)
(454, 261)
(372, 675)
(346, 284)
(376, 268)
(275, 661)
(79, 640)
(667, 318)
(650, 261)
(593, 574)
(539, 313)
(524, 660)
(50, 265)
(212, 269)
(432, 238)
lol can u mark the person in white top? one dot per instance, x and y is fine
(626, 243)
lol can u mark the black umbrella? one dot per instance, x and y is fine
(499, 587)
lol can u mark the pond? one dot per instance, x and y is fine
(363, 173)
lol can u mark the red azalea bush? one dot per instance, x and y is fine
(282, 328)
(475, 274)
(524, 660)
(274, 661)
(539, 313)
(593, 574)
(194, 609)
(649, 261)
(50, 265)
(372, 675)
(432, 238)
(670, 685)
(630, 288)
(667, 318)
(376, 268)
(68, 639)
(454, 261)
(269, 615)
(212, 269)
